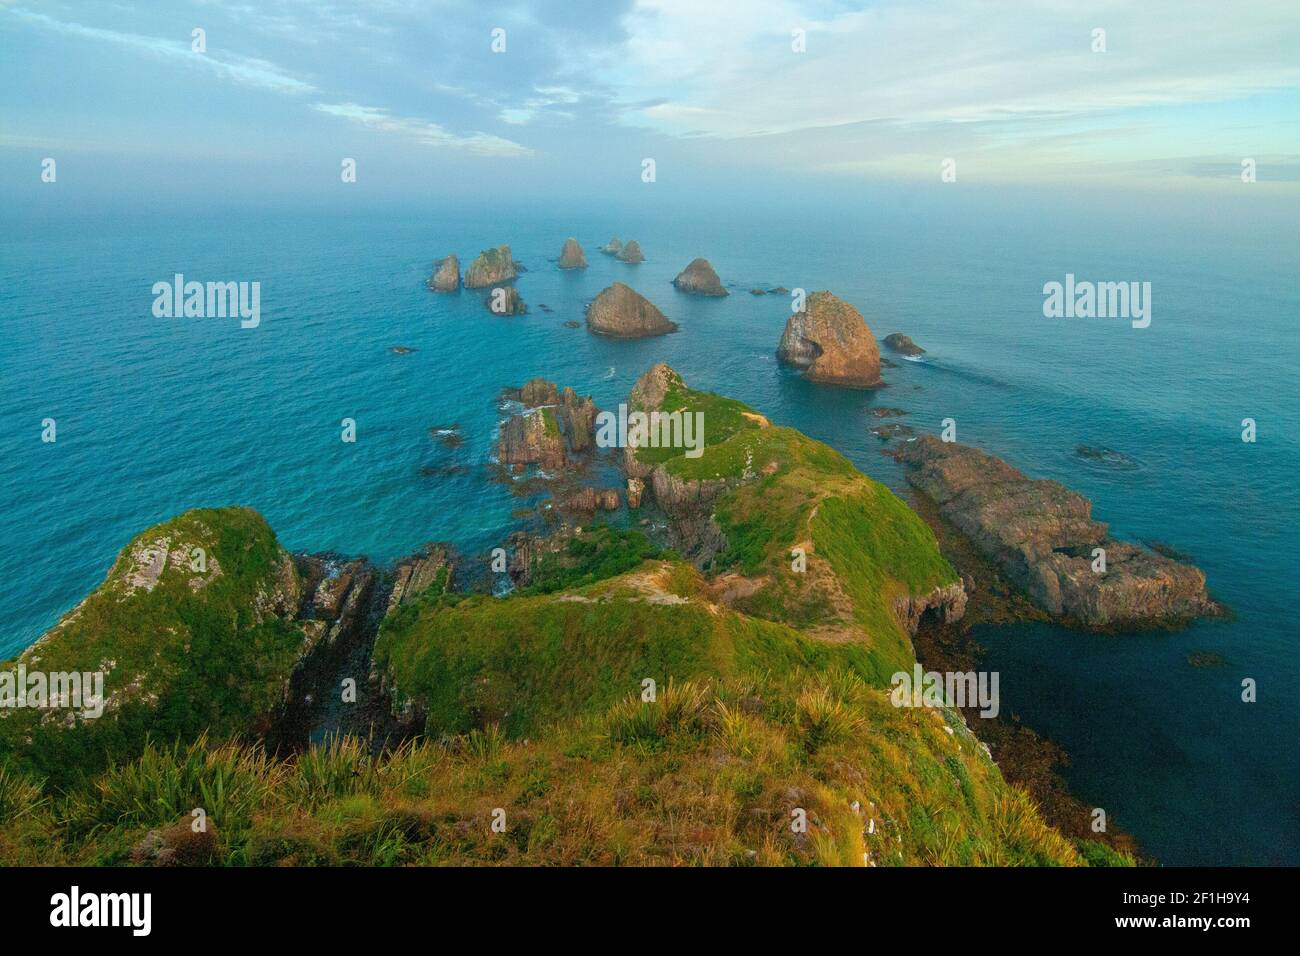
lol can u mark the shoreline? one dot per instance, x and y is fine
(1027, 758)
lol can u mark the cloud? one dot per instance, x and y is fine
(960, 61)
(248, 71)
(423, 131)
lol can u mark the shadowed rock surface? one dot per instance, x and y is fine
(572, 256)
(903, 344)
(622, 312)
(446, 275)
(831, 342)
(699, 278)
(1043, 535)
(555, 428)
(492, 266)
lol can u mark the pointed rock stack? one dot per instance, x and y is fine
(622, 312)
(698, 278)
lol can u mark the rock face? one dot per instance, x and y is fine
(572, 256)
(612, 248)
(1043, 537)
(555, 428)
(532, 438)
(947, 602)
(903, 344)
(631, 252)
(446, 275)
(589, 500)
(505, 300)
(493, 266)
(432, 568)
(624, 313)
(831, 342)
(698, 278)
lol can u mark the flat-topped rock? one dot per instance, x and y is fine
(446, 275)
(490, 268)
(699, 278)
(572, 256)
(831, 342)
(1043, 537)
(622, 312)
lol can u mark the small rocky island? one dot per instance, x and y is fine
(631, 253)
(698, 278)
(622, 312)
(1043, 537)
(505, 300)
(446, 275)
(612, 248)
(903, 345)
(572, 256)
(831, 342)
(492, 267)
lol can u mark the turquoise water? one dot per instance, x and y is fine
(156, 416)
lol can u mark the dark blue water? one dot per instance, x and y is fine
(156, 416)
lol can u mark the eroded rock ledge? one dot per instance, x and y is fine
(1043, 536)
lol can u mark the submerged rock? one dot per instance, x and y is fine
(1106, 456)
(903, 345)
(621, 312)
(698, 278)
(1043, 537)
(572, 256)
(831, 342)
(492, 266)
(446, 275)
(631, 252)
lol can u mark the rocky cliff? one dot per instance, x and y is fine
(621, 312)
(1043, 536)
(831, 342)
(698, 278)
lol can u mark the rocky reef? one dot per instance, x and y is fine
(446, 275)
(903, 345)
(1043, 536)
(631, 252)
(698, 278)
(622, 312)
(572, 256)
(830, 341)
(492, 267)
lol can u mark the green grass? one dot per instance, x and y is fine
(192, 655)
(599, 553)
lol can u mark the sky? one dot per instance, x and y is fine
(743, 97)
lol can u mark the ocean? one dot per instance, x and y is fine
(155, 416)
